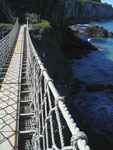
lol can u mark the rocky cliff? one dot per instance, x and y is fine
(96, 0)
(94, 11)
(47, 42)
(83, 11)
(60, 12)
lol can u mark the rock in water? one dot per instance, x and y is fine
(95, 87)
(96, 31)
(110, 34)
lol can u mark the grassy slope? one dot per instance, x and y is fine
(42, 24)
(6, 25)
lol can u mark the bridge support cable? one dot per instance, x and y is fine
(7, 44)
(10, 91)
(55, 128)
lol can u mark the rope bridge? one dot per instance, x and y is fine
(7, 42)
(43, 121)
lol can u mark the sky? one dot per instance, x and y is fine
(108, 1)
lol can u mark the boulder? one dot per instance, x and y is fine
(95, 87)
(110, 86)
(98, 87)
(96, 31)
(76, 86)
(110, 34)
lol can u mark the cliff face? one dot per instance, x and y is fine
(96, 0)
(60, 12)
(79, 11)
(71, 11)
(47, 42)
(94, 12)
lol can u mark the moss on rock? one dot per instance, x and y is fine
(42, 24)
(6, 25)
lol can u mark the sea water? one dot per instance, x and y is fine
(96, 107)
(106, 43)
(99, 64)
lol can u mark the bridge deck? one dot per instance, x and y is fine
(10, 97)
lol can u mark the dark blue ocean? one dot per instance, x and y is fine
(96, 108)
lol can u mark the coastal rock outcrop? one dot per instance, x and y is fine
(95, 87)
(98, 87)
(110, 34)
(74, 47)
(96, 31)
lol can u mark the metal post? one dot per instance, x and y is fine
(39, 17)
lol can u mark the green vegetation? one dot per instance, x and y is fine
(83, 1)
(6, 25)
(42, 24)
(98, 3)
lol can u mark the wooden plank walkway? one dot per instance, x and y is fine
(10, 99)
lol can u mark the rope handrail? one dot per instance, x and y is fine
(51, 112)
(10, 31)
(7, 43)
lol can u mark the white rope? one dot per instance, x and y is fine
(7, 43)
(50, 109)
